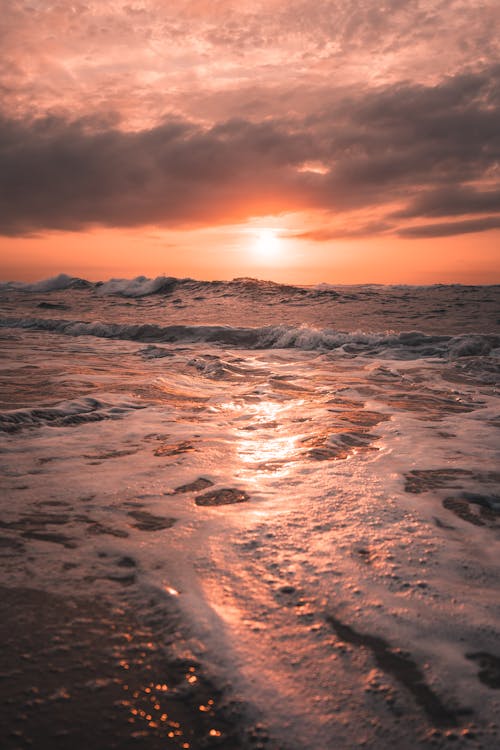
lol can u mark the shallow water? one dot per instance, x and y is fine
(310, 477)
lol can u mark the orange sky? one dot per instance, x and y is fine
(104, 254)
(300, 141)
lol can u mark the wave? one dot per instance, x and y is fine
(138, 287)
(65, 413)
(54, 284)
(406, 345)
(142, 286)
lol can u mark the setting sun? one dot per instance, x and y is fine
(267, 246)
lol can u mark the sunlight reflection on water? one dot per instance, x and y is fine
(263, 443)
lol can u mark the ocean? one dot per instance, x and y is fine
(296, 489)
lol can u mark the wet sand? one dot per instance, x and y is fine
(81, 673)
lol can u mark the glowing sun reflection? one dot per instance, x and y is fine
(261, 443)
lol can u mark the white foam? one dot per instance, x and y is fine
(406, 345)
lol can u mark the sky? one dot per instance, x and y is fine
(342, 141)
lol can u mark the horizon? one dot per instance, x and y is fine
(103, 280)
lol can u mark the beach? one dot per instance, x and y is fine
(266, 513)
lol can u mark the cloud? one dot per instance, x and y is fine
(432, 150)
(451, 201)
(60, 175)
(326, 234)
(468, 226)
(147, 59)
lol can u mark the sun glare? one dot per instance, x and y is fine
(267, 246)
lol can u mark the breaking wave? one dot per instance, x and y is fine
(142, 286)
(406, 345)
(54, 284)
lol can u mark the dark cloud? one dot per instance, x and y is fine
(325, 234)
(415, 136)
(432, 150)
(468, 226)
(59, 175)
(451, 201)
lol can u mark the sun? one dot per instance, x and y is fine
(266, 246)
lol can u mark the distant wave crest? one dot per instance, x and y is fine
(54, 284)
(142, 286)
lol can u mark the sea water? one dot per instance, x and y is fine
(308, 478)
